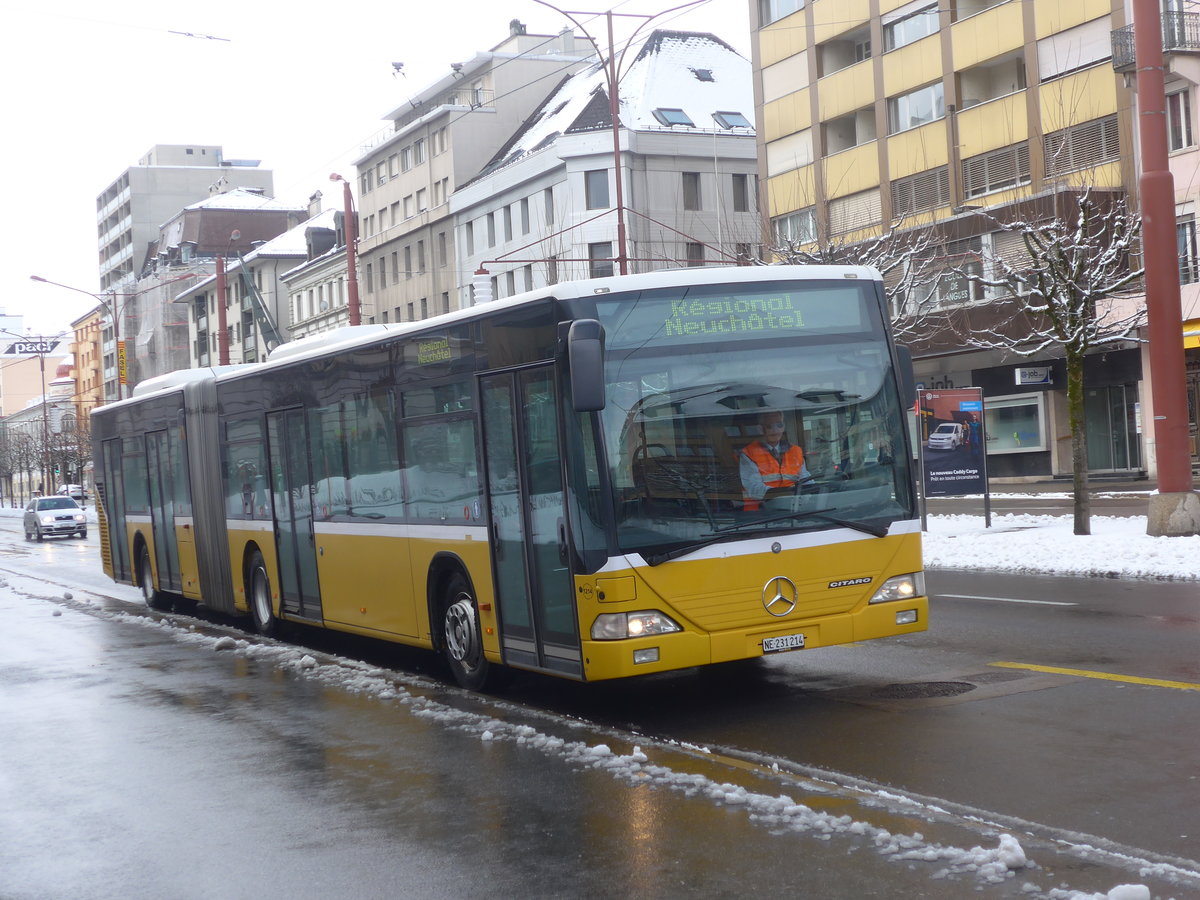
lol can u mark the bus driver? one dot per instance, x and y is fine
(770, 462)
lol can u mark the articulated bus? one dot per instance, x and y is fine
(553, 481)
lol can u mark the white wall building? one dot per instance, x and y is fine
(543, 210)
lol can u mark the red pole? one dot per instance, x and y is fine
(351, 227)
(222, 325)
(614, 109)
(1163, 310)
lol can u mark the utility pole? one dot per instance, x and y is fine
(1175, 509)
(354, 308)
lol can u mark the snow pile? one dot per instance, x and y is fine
(1118, 547)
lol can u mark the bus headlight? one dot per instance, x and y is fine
(618, 626)
(900, 587)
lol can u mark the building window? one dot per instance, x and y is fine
(420, 257)
(408, 270)
(1014, 424)
(732, 120)
(671, 117)
(774, 10)
(548, 201)
(470, 234)
(370, 279)
(796, 228)
(508, 232)
(551, 270)
(915, 108)
(395, 267)
(1083, 146)
(491, 229)
(441, 249)
(1189, 264)
(510, 280)
(912, 27)
(925, 190)
(525, 216)
(741, 192)
(691, 191)
(997, 169)
(595, 184)
(600, 264)
(695, 254)
(422, 205)
(1179, 119)
(418, 152)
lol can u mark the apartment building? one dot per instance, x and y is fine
(167, 178)
(879, 115)
(438, 139)
(545, 207)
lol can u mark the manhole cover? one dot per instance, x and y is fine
(922, 690)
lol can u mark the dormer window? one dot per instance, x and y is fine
(732, 120)
(703, 74)
(673, 117)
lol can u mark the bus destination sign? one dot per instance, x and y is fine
(733, 316)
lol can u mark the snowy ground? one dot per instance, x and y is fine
(1118, 547)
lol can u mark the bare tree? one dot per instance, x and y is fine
(1064, 294)
(909, 261)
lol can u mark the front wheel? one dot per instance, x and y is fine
(461, 643)
(259, 585)
(155, 599)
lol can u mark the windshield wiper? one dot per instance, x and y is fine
(720, 534)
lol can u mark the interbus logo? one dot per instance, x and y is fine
(779, 596)
(848, 582)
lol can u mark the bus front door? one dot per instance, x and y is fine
(291, 493)
(538, 622)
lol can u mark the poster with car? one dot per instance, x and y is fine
(953, 441)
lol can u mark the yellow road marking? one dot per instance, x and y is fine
(1084, 673)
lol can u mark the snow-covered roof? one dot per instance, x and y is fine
(693, 72)
(291, 244)
(239, 198)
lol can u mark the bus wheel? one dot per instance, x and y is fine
(461, 643)
(260, 597)
(155, 599)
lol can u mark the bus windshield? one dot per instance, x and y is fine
(749, 409)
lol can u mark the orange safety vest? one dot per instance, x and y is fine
(772, 470)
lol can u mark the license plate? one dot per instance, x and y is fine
(783, 642)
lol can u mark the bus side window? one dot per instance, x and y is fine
(441, 475)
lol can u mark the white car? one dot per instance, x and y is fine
(74, 491)
(54, 517)
(947, 436)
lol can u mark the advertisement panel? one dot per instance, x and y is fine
(953, 438)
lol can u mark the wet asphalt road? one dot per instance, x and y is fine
(140, 761)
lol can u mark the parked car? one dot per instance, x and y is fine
(54, 516)
(947, 436)
(74, 491)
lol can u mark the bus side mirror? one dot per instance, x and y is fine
(908, 381)
(585, 357)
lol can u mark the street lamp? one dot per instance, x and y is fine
(112, 314)
(351, 239)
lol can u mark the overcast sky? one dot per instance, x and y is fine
(90, 87)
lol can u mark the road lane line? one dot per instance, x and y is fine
(1106, 676)
(1007, 599)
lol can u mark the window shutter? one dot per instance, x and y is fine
(855, 211)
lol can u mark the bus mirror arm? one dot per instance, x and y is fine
(585, 358)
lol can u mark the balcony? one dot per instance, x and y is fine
(1181, 34)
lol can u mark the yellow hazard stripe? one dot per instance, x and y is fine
(1104, 676)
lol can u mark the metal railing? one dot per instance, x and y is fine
(1181, 31)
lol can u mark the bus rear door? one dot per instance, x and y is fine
(539, 627)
